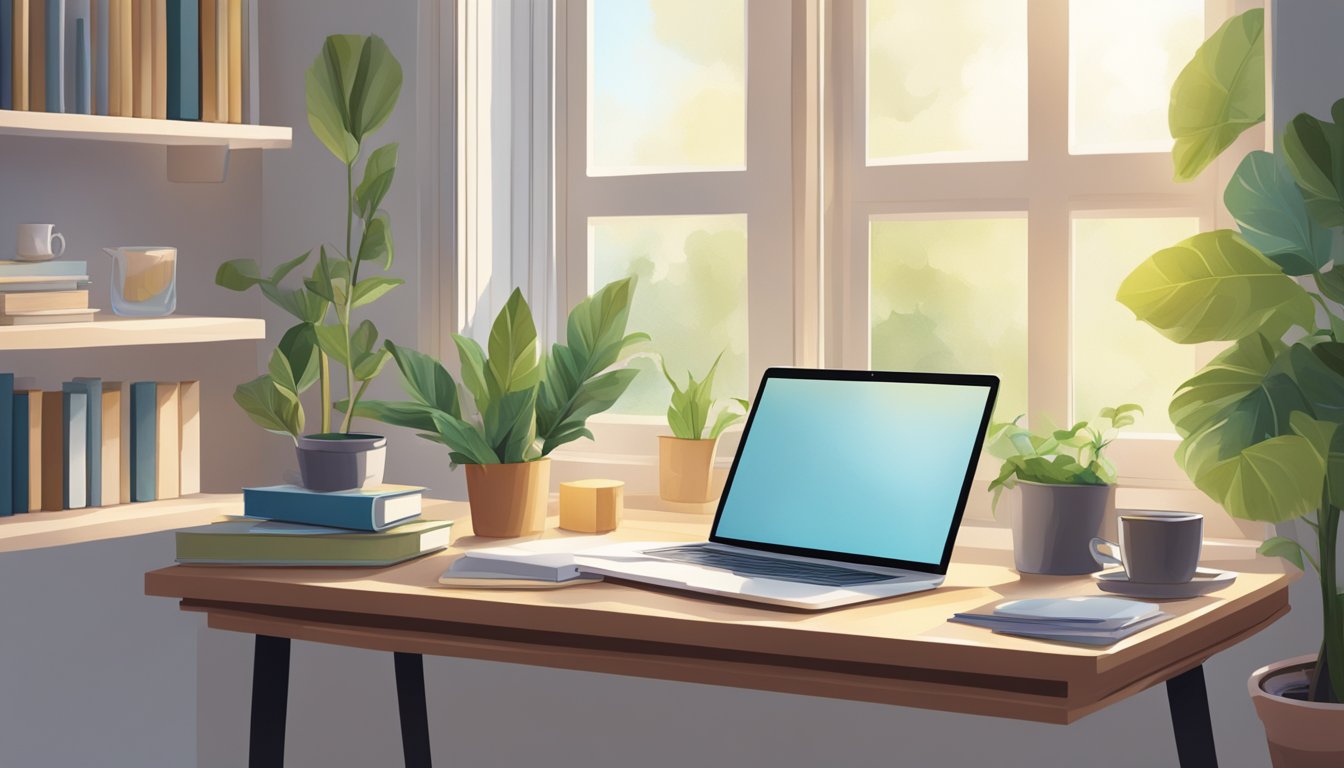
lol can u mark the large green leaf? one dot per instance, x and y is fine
(509, 424)
(327, 86)
(1232, 375)
(1282, 546)
(282, 375)
(238, 274)
(425, 379)
(375, 242)
(1331, 284)
(1269, 210)
(330, 279)
(463, 439)
(728, 417)
(1213, 287)
(596, 328)
(299, 346)
(592, 397)
(475, 375)
(1314, 150)
(303, 304)
(1272, 481)
(1219, 94)
(332, 340)
(1327, 439)
(513, 346)
(266, 405)
(371, 288)
(285, 268)
(378, 172)
(376, 87)
(398, 414)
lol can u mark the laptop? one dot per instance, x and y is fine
(847, 486)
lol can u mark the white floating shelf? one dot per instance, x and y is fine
(139, 130)
(112, 331)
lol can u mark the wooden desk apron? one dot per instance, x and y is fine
(899, 651)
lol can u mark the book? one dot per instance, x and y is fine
(37, 55)
(99, 39)
(7, 440)
(189, 437)
(48, 317)
(122, 75)
(18, 59)
(142, 57)
(364, 509)
(78, 64)
(20, 458)
(1082, 620)
(32, 399)
(92, 389)
(543, 560)
(168, 421)
(468, 580)
(124, 449)
(109, 450)
(6, 54)
(184, 60)
(209, 65)
(251, 63)
(74, 477)
(144, 439)
(40, 300)
(235, 59)
(69, 269)
(55, 55)
(222, 61)
(158, 44)
(249, 542)
(53, 451)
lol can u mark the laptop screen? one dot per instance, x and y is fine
(869, 467)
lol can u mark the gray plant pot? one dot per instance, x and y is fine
(1052, 530)
(339, 462)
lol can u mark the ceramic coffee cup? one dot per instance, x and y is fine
(35, 242)
(1155, 547)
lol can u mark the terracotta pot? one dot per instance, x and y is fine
(1301, 734)
(336, 461)
(508, 500)
(686, 469)
(1052, 531)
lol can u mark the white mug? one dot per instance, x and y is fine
(35, 242)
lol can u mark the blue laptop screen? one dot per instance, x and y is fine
(868, 468)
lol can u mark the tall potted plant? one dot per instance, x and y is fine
(1260, 424)
(351, 89)
(686, 458)
(526, 405)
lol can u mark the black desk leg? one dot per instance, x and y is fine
(411, 702)
(270, 700)
(1189, 701)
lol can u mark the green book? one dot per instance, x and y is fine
(249, 542)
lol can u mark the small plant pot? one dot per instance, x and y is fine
(335, 461)
(686, 469)
(1052, 530)
(508, 500)
(1301, 734)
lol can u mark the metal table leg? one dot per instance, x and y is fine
(270, 700)
(411, 702)
(1189, 701)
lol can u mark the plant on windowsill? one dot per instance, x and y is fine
(1067, 488)
(686, 458)
(351, 89)
(1260, 425)
(526, 406)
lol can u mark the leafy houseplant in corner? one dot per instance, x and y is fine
(1067, 487)
(526, 405)
(686, 458)
(1260, 424)
(352, 88)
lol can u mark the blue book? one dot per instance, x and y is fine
(92, 390)
(74, 423)
(99, 36)
(54, 268)
(144, 440)
(20, 464)
(363, 509)
(78, 64)
(55, 51)
(184, 60)
(6, 54)
(7, 439)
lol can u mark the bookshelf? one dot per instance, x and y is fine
(139, 130)
(114, 331)
(39, 530)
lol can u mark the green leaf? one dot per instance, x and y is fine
(1271, 481)
(592, 397)
(281, 374)
(513, 346)
(463, 438)
(1272, 216)
(1213, 287)
(1219, 94)
(1232, 375)
(238, 274)
(266, 405)
(376, 87)
(425, 379)
(1282, 546)
(282, 271)
(370, 364)
(375, 242)
(332, 340)
(327, 86)
(1328, 441)
(1331, 284)
(304, 305)
(726, 418)
(364, 337)
(378, 172)
(509, 424)
(371, 288)
(299, 346)
(398, 414)
(1314, 151)
(475, 374)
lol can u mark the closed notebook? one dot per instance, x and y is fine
(7, 440)
(371, 509)
(543, 560)
(250, 542)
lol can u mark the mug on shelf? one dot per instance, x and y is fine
(35, 241)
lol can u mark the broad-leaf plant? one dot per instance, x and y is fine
(1072, 456)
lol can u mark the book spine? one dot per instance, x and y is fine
(222, 61)
(37, 55)
(110, 488)
(7, 440)
(251, 64)
(101, 40)
(55, 50)
(53, 451)
(78, 64)
(159, 73)
(235, 61)
(83, 68)
(19, 447)
(74, 421)
(167, 473)
(19, 55)
(189, 437)
(34, 450)
(142, 54)
(6, 54)
(93, 433)
(144, 436)
(184, 60)
(209, 67)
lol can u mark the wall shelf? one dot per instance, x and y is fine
(139, 130)
(112, 331)
(39, 530)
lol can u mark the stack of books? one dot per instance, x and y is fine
(1083, 620)
(93, 444)
(287, 525)
(43, 292)
(173, 59)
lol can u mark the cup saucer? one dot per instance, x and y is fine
(1205, 580)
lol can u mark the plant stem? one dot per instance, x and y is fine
(350, 409)
(1332, 651)
(324, 380)
(349, 295)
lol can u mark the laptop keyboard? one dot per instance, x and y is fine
(769, 567)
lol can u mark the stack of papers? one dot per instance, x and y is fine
(1084, 620)
(531, 565)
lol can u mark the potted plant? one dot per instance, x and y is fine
(1067, 488)
(1259, 425)
(526, 405)
(351, 88)
(686, 458)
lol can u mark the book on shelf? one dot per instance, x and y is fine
(6, 54)
(7, 440)
(252, 542)
(99, 40)
(158, 86)
(189, 437)
(54, 48)
(144, 438)
(365, 509)
(78, 64)
(109, 446)
(69, 269)
(75, 439)
(53, 452)
(37, 55)
(26, 446)
(167, 476)
(209, 61)
(40, 300)
(48, 317)
(235, 60)
(142, 53)
(19, 54)
(92, 390)
(184, 60)
(251, 63)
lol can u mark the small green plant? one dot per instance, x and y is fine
(1070, 456)
(351, 90)
(526, 405)
(689, 412)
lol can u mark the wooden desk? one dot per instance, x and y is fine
(899, 651)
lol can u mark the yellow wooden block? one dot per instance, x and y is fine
(591, 506)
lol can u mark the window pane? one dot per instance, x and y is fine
(1117, 359)
(666, 86)
(951, 296)
(1123, 59)
(947, 81)
(691, 298)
